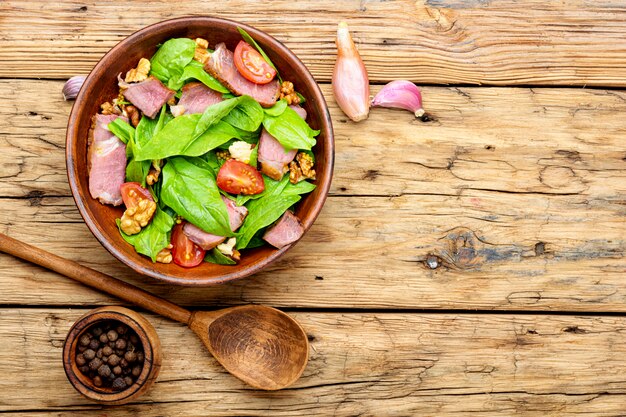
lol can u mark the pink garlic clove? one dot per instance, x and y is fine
(400, 94)
(350, 82)
(72, 87)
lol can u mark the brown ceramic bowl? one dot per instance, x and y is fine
(101, 86)
(150, 345)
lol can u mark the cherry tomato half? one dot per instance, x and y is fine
(185, 253)
(251, 64)
(235, 177)
(132, 192)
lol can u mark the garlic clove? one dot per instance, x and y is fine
(400, 94)
(72, 87)
(350, 82)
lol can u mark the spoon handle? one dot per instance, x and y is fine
(95, 279)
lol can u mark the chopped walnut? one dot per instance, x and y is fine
(236, 256)
(135, 218)
(171, 102)
(140, 73)
(165, 255)
(228, 247)
(223, 155)
(108, 108)
(288, 93)
(155, 171)
(301, 169)
(241, 151)
(133, 114)
(201, 53)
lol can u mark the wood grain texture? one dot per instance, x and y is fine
(517, 195)
(361, 364)
(573, 42)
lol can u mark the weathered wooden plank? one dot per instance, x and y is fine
(428, 41)
(360, 364)
(490, 250)
(514, 140)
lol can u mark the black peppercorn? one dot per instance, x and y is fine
(130, 356)
(97, 331)
(97, 381)
(99, 353)
(107, 351)
(84, 369)
(119, 384)
(112, 335)
(89, 354)
(104, 338)
(104, 370)
(139, 356)
(95, 364)
(114, 360)
(134, 339)
(80, 360)
(117, 370)
(137, 371)
(124, 363)
(120, 330)
(120, 344)
(94, 344)
(84, 340)
(128, 380)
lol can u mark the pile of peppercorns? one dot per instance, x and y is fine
(110, 354)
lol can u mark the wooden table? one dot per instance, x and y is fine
(474, 263)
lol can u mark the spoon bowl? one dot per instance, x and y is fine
(260, 345)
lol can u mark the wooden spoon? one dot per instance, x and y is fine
(260, 345)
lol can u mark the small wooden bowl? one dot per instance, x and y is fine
(101, 86)
(151, 348)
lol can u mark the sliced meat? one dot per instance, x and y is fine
(222, 67)
(149, 96)
(196, 98)
(286, 231)
(201, 238)
(207, 241)
(106, 160)
(272, 156)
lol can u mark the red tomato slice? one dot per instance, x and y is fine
(251, 64)
(235, 177)
(185, 253)
(132, 192)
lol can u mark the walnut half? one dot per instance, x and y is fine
(165, 255)
(301, 169)
(135, 218)
(140, 73)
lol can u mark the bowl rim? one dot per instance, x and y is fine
(72, 173)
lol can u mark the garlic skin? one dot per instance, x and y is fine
(400, 94)
(72, 87)
(350, 82)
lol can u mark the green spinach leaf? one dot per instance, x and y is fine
(177, 138)
(195, 70)
(169, 62)
(277, 109)
(152, 238)
(290, 130)
(216, 257)
(121, 129)
(189, 188)
(277, 197)
(247, 114)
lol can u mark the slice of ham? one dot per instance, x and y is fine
(272, 156)
(286, 231)
(207, 241)
(107, 161)
(149, 96)
(196, 98)
(222, 67)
